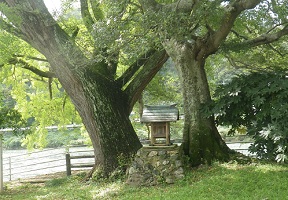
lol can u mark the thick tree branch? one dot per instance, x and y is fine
(142, 79)
(87, 18)
(31, 68)
(42, 32)
(130, 72)
(267, 38)
(97, 12)
(263, 39)
(233, 11)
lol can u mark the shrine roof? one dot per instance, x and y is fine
(160, 113)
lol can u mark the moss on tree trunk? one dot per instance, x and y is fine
(202, 142)
(107, 121)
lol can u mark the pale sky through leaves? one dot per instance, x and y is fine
(53, 5)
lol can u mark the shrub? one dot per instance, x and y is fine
(258, 102)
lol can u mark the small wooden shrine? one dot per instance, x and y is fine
(159, 118)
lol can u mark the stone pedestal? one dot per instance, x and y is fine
(155, 164)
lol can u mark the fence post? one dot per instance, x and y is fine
(1, 164)
(68, 164)
(10, 170)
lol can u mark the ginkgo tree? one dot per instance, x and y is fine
(87, 68)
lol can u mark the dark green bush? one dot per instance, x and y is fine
(258, 102)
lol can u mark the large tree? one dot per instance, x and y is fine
(191, 31)
(102, 99)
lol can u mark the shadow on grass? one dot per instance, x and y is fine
(222, 181)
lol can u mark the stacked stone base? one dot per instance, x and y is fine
(153, 165)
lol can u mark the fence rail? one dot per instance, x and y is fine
(28, 165)
(49, 161)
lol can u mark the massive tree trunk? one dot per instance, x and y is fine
(107, 121)
(201, 141)
(104, 111)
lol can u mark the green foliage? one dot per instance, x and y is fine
(165, 87)
(33, 101)
(257, 101)
(61, 138)
(9, 117)
(12, 141)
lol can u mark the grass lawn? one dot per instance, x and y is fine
(220, 181)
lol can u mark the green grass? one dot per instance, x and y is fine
(220, 181)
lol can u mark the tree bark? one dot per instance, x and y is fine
(202, 142)
(108, 123)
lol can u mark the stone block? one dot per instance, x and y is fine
(153, 165)
(153, 153)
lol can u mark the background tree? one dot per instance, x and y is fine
(88, 72)
(204, 28)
